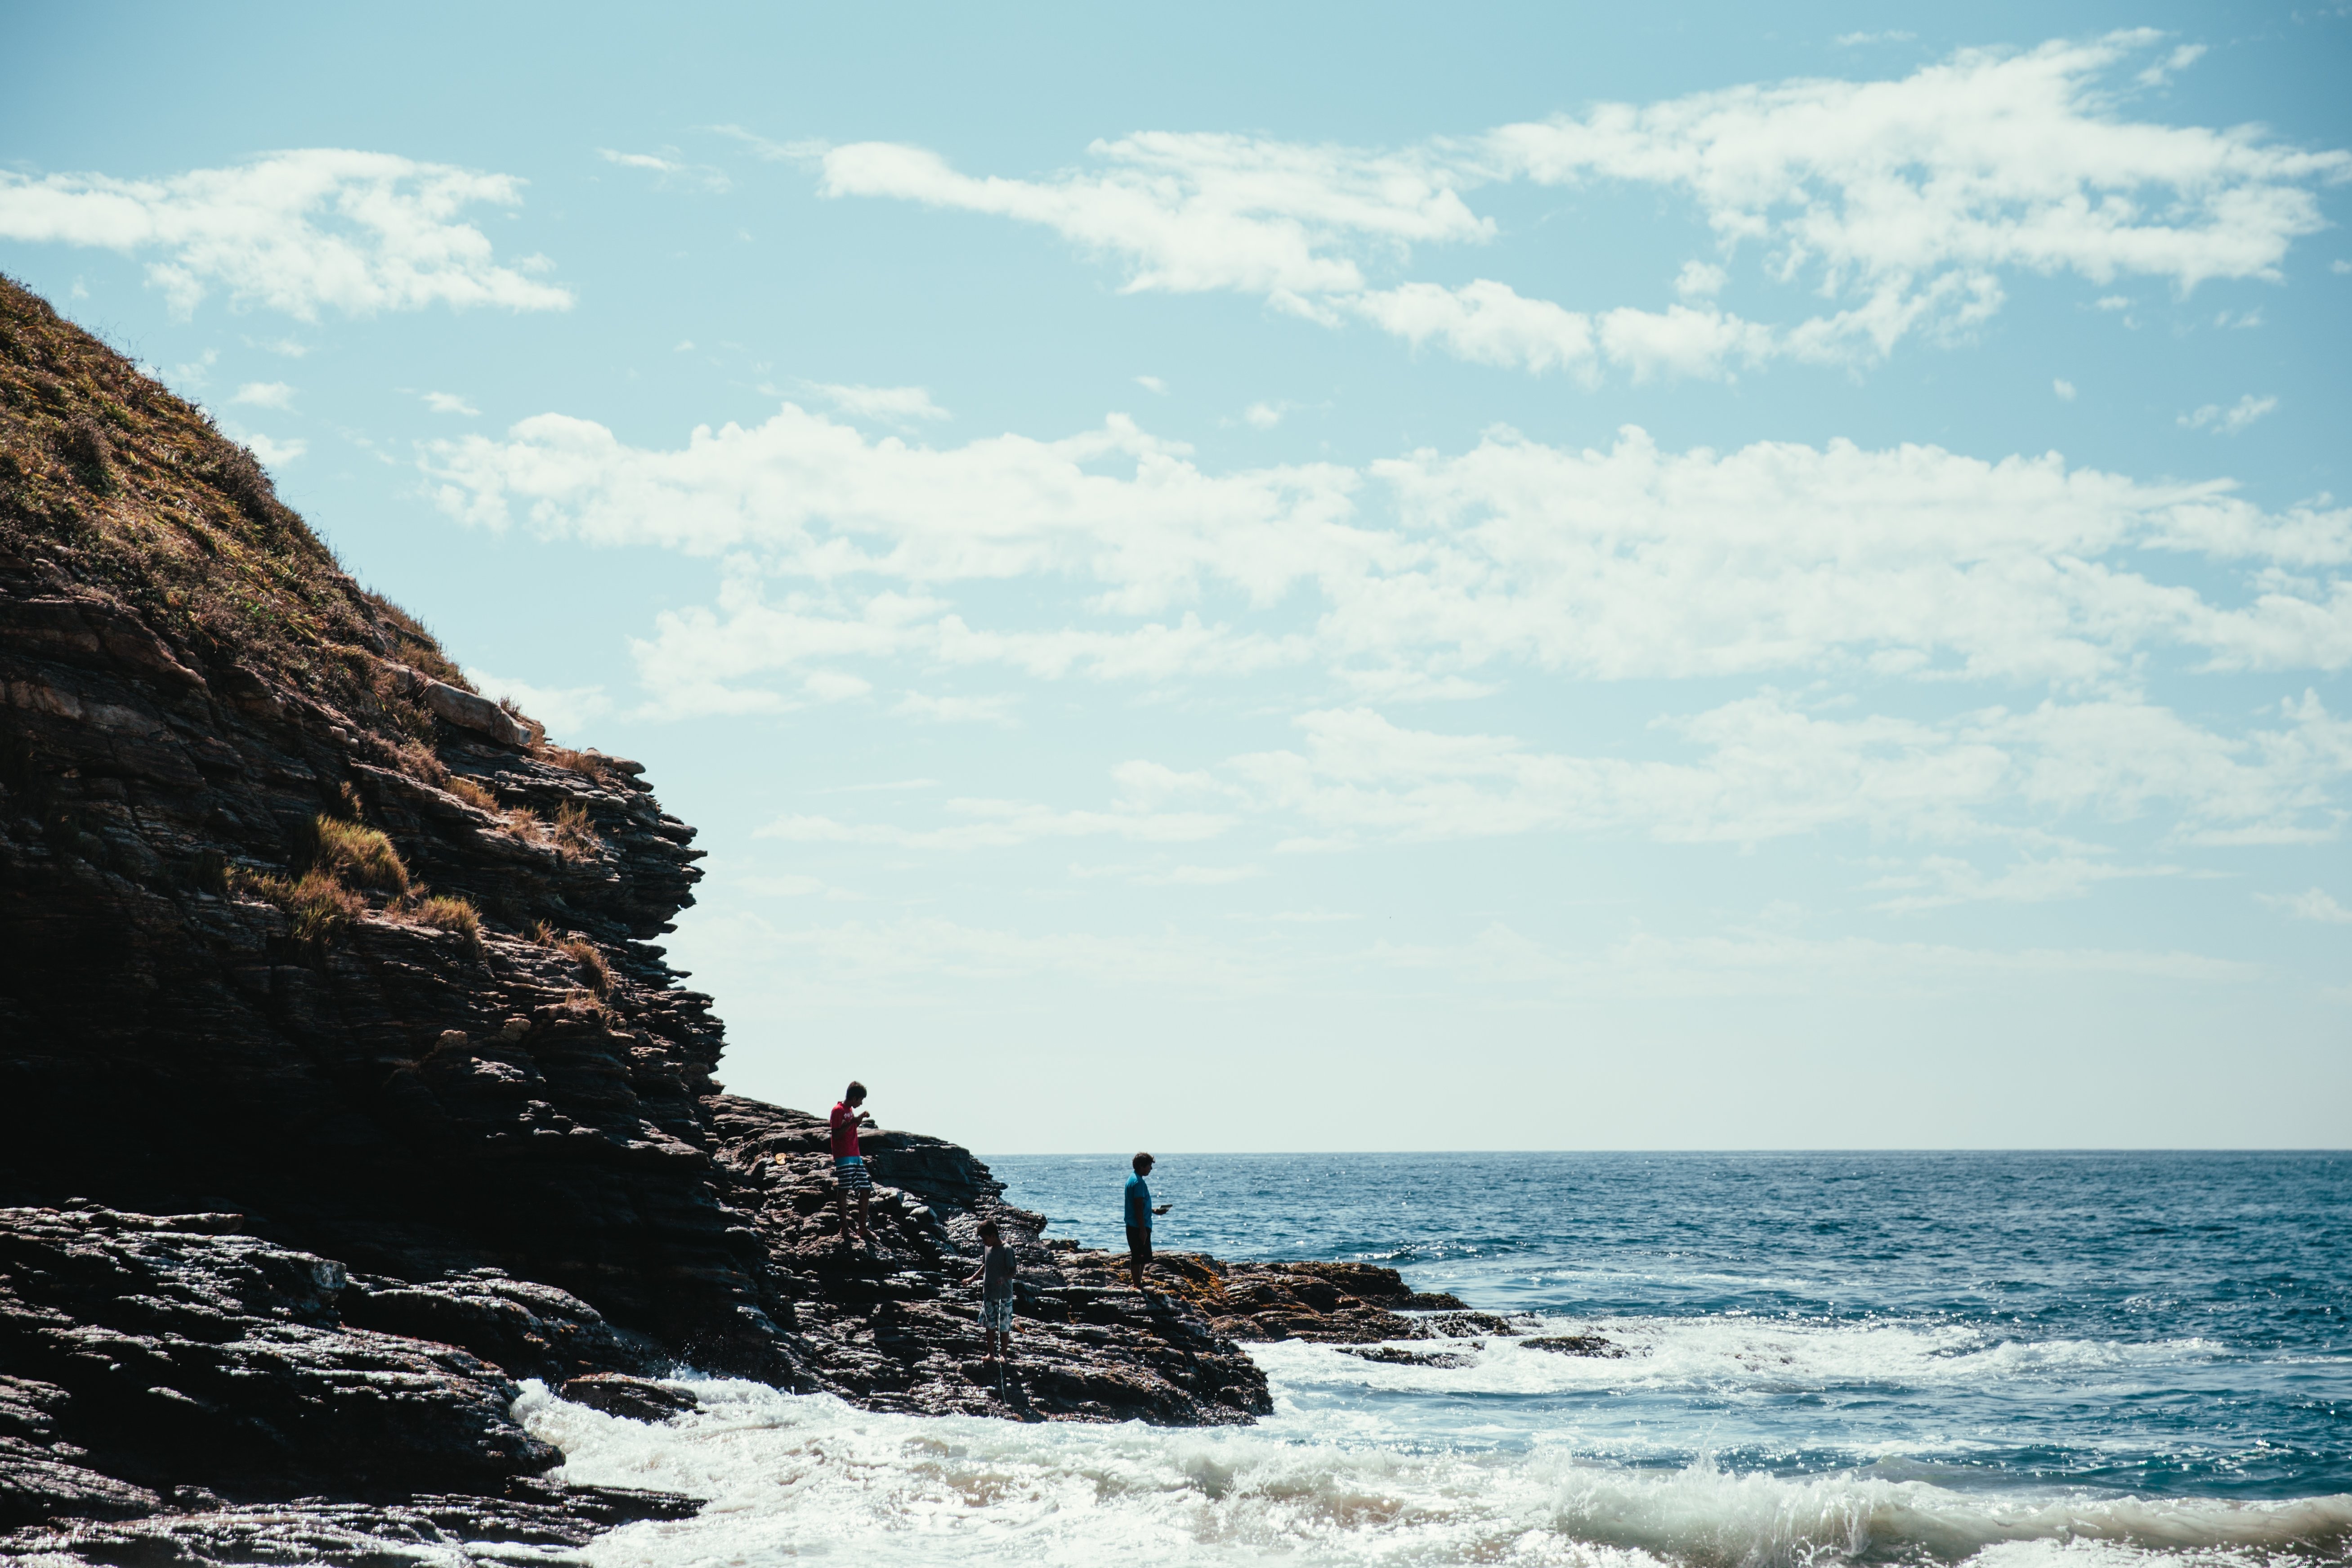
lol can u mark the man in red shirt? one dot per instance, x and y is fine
(850, 1171)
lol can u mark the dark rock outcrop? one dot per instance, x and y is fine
(897, 1327)
(523, 1523)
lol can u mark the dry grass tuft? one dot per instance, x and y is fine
(355, 855)
(447, 912)
(595, 765)
(319, 906)
(543, 933)
(576, 833)
(473, 793)
(592, 967)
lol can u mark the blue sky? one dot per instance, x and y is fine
(1358, 578)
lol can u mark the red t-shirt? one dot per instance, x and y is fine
(844, 1130)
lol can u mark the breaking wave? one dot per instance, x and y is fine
(809, 1477)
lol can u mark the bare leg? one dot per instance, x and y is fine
(866, 1217)
(841, 1195)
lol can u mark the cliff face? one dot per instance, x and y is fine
(294, 925)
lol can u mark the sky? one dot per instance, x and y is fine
(1342, 578)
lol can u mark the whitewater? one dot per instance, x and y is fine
(1999, 1359)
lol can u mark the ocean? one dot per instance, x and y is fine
(2004, 1359)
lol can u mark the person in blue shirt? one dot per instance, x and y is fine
(1138, 1219)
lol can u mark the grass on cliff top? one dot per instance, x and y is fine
(130, 489)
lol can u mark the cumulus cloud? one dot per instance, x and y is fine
(449, 403)
(273, 454)
(298, 232)
(1426, 569)
(264, 394)
(1904, 199)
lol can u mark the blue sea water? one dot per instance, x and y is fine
(2006, 1359)
(2174, 1324)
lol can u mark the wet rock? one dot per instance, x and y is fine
(1462, 1325)
(1576, 1344)
(636, 1398)
(530, 1522)
(1396, 1355)
(1340, 1303)
(158, 1355)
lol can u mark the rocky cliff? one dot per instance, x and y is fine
(342, 1080)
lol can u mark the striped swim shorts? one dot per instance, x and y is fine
(850, 1171)
(996, 1315)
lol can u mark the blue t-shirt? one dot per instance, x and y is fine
(1138, 1203)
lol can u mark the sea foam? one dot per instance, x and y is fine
(808, 1476)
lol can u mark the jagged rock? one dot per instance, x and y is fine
(530, 1522)
(638, 1398)
(1396, 1355)
(164, 1351)
(1351, 1303)
(1576, 1344)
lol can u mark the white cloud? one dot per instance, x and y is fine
(1152, 383)
(1851, 40)
(1190, 212)
(566, 711)
(1631, 563)
(2179, 60)
(1905, 198)
(2230, 420)
(1941, 880)
(991, 710)
(355, 232)
(449, 403)
(2340, 267)
(1700, 280)
(2312, 904)
(835, 685)
(1767, 769)
(1988, 159)
(889, 405)
(1265, 415)
(273, 454)
(2065, 389)
(266, 395)
(670, 167)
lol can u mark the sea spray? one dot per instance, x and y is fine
(809, 1477)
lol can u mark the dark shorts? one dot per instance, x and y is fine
(1138, 1244)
